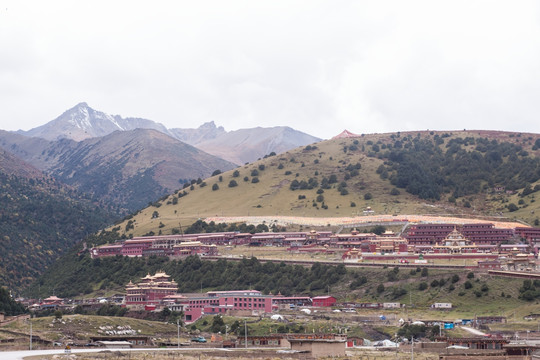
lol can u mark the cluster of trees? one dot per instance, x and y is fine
(78, 275)
(201, 226)
(311, 183)
(530, 290)
(9, 306)
(425, 168)
(418, 331)
(39, 220)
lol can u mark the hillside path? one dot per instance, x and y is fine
(473, 331)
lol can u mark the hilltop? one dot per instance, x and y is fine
(465, 173)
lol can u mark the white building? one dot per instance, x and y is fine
(441, 306)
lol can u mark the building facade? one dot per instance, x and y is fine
(151, 290)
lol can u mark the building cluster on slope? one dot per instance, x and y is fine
(155, 292)
(450, 239)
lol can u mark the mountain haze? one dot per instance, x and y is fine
(206, 131)
(244, 145)
(11, 165)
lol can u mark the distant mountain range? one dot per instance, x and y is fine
(127, 168)
(246, 145)
(82, 122)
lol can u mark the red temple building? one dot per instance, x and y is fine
(455, 243)
(480, 234)
(151, 290)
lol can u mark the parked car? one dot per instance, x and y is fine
(199, 339)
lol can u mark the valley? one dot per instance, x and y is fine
(387, 225)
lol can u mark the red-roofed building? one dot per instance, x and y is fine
(106, 250)
(135, 247)
(345, 134)
(151, 290)
(53, 300)
(325, 301)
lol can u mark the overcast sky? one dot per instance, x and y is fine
(317, 66)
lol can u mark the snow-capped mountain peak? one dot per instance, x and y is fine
(82, 122)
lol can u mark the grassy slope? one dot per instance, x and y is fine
(466, 306)
(84, 326)
(272, 196)
(490, 303)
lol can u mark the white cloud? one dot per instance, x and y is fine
(318, 66)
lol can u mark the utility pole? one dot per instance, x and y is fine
(245, 333)
(178, 333)
(412, 347)
(30, 332)
(396, 340)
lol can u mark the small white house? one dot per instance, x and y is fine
(441, 306)
(391, 305)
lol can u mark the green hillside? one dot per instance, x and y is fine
(75, 276)
(8, 306)
(127, 168)
(471, 173)
(40, 220)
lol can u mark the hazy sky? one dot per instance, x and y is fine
(317, 66)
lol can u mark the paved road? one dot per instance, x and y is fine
(19, 355)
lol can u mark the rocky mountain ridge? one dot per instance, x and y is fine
(128, 168)
(82, 122)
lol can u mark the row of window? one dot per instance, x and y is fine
(249, 299)
(248, 305)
